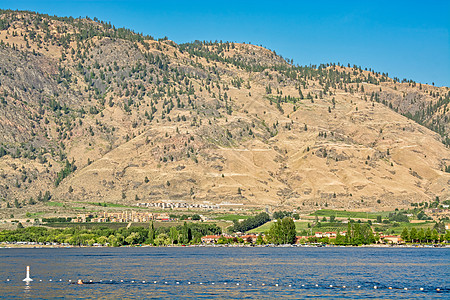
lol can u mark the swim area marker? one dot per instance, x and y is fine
(28, 279)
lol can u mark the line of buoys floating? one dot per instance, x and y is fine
(28, 279)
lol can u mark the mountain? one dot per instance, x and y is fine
(93, 113)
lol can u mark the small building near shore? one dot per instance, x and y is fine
(249, 238)
(210, 239)
(391, 239)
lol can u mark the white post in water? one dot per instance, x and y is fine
(28, 279)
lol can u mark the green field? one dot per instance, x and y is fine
(398, 228)
(391, 228)
(54, 204)
(86, 225)
(157, 224)
(231, 217)
(300, 226)
(349, 214)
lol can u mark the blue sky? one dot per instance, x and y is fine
(407, 39)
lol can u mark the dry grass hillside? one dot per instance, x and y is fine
(91, 113)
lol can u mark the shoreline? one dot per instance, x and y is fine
(31, 246)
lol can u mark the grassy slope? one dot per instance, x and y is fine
(349, 214)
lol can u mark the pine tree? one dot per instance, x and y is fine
(151, 233)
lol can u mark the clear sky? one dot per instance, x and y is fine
(407, 39)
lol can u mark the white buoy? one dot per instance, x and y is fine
(143, 281)
(154, 281)
(188, 282)
(290, 285)
(165, 282)
(7, 279)
(263, 284)
(317, 285)
(50, 280)
(90, 280)
(331, 285)
(276, 284)
(224, 283)
(27, 279)
(405, 289)
(201, 282)
(178, 282)
(132, 281)
(110, 280)
(438, 289)
(359, 286)
(121, 280)
(421, 289)
(374, 287)
(70, 280)
(212, 283)
(250, 284)
(303, 285)
(344, 286)
(60, 279)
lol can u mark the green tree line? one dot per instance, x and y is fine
(250, 223)
(424, 236)
(188, 233)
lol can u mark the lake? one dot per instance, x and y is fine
(219, 272)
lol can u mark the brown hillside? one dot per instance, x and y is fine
(91, 113)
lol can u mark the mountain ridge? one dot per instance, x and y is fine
(91, 113)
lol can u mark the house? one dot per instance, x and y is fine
(302, 238)
(163, 217)
(391, 239)
(249, 238)
(82, 218)
(210, 239)
(330, 234)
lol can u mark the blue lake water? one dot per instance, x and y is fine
(218, 273)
